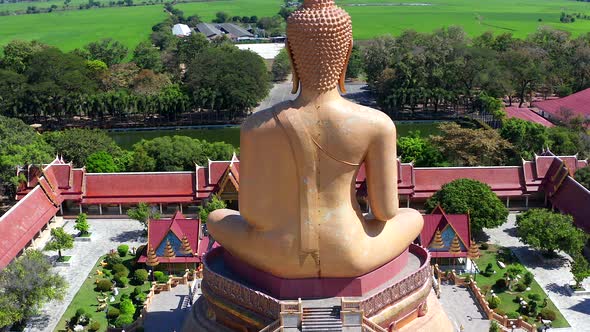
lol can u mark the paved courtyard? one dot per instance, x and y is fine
(167, 311)
(106, 234)
(552, 275)
(462, 309)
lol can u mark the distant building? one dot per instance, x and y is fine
(525, 113)
(267, 51)
(235, 32)
(181, 30)
(565, 108)
(209, 30)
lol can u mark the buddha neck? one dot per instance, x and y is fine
(309, 96)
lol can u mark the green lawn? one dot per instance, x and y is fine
(86, 297)
(507, 304)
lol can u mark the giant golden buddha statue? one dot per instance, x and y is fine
(298, 216)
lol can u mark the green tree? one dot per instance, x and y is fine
(419, 150)
(60, 240)
(188, 47)
(579, 268)
(494, 327)
(19, 145)
(25, 285)
(107, 50)
(543, 229)
(147, 56)
(567, 142)
(77, 145)
(470, 196)
(355, 63)
(82, 224)
(583, 177)
(221, 17)
(101, 162)
(214, 204)
(527, 137)
(281, 67)
(17, 54)
(527, 66)
(471, 147)
(143, 213)
(227, 78)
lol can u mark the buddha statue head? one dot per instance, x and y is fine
(319, 42)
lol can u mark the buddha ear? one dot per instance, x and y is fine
(343, 73)
(293, 69)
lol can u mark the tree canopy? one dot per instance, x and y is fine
(101, 162)
(214, 204)
(471, 147)
(470, 196)
(143, 213)
(60, 240)
(527, 137)
(551, 231)
(419, 150)
(281, 67)
(583, 177)
(77, 145)
(25, 285)
(107, 50)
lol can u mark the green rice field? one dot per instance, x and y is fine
(371, 18)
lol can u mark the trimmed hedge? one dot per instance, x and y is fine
(104, 285)
(113, 313)
(140, 276)
(123, 250)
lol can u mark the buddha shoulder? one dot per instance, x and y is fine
(263, 119)
(376, 119)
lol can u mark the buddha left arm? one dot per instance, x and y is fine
(381, 168)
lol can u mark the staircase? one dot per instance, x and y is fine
(321, 319)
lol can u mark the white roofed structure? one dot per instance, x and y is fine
(181, 30)
(267, 51)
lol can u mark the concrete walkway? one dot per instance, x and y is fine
(553, 275)
(167, 311)
(462, 309)
(106, 234)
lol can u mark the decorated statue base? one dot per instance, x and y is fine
(396, 296)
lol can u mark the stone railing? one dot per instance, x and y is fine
(273, 327)
(402, 288)
(291, 306)
(481, 300)
(369, 326)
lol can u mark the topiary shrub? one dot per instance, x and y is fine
(534, 297)
(484, 246)
(113, 313)
(94, 326)
(104, 285)
(123, 321)
(139, 251)
(501, 284)
(140, 298)
(513, 315)
(140, 276)
(500, 312)
(113, 259)
(127, 308)
(160, 277)
(520, 287)
(494, 302)
(123, 250)
(549, 314)
(121, 280)
(489, 270)
(120, 268)
(528, 278)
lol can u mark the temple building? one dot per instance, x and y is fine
(60, 189)
(447, 237)
(174, 244)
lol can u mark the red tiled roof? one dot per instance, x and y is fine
(20, 224)
(504, 180)
(163, 187)
(572, 198)
(438, 219)
(179, 225)
(577, 103)
(528, 115)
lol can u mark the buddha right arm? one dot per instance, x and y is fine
(381, 168)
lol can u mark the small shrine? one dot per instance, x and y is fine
(174, 244)
(447, 237)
